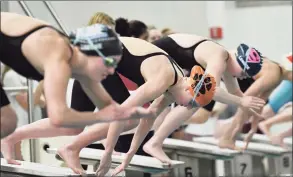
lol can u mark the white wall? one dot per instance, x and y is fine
(183, 16)
(267, 28)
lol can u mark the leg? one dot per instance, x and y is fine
(8, 116)
(227, 140)
(38, 129)
(284, 116)
(203, 114)
(160, 119)
(173, 120)
(80, 101)
(267, 111)
(279, 138)
(18, 155)
(8, 121)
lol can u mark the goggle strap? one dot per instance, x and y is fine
(197, 88)
(95, 48)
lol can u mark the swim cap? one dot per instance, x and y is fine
(202, 87)
(249, 59)
(287, 62)
(96, 37)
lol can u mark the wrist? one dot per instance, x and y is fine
(108, 150)
(131, 152)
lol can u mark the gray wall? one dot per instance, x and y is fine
(183, 16)
(4, 6)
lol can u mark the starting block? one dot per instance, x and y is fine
(202, 159)
(258, 138)
(138, 163)
(36, 169)
(276, 160)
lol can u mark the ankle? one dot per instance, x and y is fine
(72, 147)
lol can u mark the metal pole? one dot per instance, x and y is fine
(25, 8)
(31, 118)
(15, 89)
(54, 14)
(30, 101)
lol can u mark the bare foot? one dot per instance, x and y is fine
(228, 143)
(7, 150)
(221, 126)
(156, 151)
(71, 158)
(277, 140)
(264, 128)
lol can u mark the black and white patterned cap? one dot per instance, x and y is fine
(96, 37)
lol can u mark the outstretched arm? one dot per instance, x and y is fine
(145, 93)
(157, 82)
(55, 87)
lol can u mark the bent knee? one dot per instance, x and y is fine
(8, 121)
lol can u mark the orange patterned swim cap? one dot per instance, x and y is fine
(202, 89)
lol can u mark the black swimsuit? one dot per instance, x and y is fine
(129, 66)
(12, 56)
(183, 56)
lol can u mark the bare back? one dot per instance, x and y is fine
(150, 65)
(205, 52)
(36, 46)
(139, 47)
(15, 25)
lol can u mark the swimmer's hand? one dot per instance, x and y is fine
(105, 165)
(114, 112)
(124, 164)
(252, 104)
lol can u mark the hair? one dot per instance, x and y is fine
(101, 17)
(133, 28)
(151, 27)
(166, 31)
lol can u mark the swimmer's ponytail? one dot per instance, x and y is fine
(122, 27)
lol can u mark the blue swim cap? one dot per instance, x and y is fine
(96, 37)
(249, 59)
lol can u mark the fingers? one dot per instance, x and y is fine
(236, 148)
(117, 170)
(258, 100)
(257, 115)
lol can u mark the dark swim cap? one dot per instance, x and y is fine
(249, 59)
(96, 39)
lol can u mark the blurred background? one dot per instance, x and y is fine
(265, 25)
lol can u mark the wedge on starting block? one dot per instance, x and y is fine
(202, 159)
(278, 160)
(36, 169)
(253, 146)
(138, 163)
(258, 138)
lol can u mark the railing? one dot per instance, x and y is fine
(55, 16)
